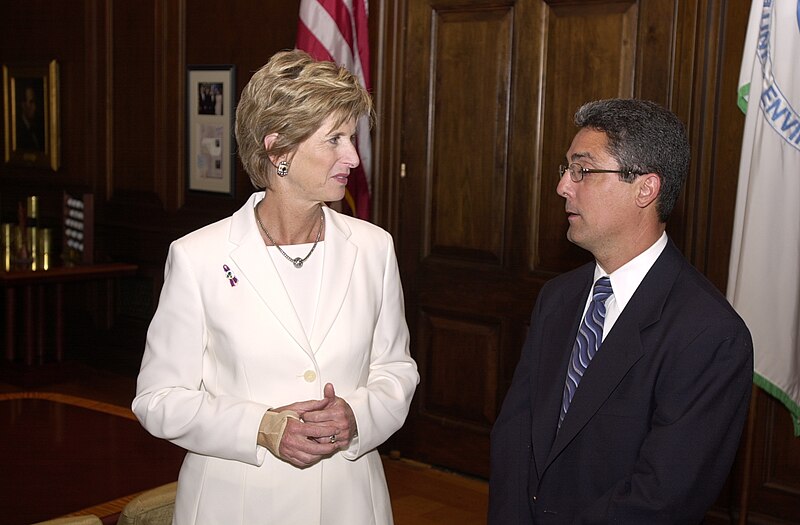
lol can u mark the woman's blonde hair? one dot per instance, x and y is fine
(292, 95)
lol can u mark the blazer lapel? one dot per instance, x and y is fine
(337, 270)
(621, 348)
(255, 265)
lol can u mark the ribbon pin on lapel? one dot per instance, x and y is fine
(229, 274)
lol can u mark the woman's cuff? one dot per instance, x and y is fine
(270, 431)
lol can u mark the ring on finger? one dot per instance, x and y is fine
(332, 438)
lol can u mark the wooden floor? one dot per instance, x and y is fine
(421, 494)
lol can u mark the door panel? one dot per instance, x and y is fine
(466, 193)
(452, 339)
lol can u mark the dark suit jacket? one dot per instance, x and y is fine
(654, 426)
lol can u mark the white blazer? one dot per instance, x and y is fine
(225, 345)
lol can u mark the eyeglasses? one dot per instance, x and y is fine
(577, 172)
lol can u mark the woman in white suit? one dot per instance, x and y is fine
(278, 355)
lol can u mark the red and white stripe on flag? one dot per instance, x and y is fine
(337, 30)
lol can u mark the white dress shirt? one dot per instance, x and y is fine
(625, 280)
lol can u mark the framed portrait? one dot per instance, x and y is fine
(209, 128)
(30, 103)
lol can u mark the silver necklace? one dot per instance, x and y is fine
(296, 261)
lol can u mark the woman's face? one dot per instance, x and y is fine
(320, 166)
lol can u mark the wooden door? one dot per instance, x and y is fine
(490, 88)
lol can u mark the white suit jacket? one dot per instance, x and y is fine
(225, 345)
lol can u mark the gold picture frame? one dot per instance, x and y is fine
(30, 103)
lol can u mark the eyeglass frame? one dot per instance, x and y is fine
(625, 175)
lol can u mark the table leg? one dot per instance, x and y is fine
(10, 307)
(59, 322)
(109, 319)
(28, 309)
(40, 310)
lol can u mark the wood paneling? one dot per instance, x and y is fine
(774, 475)
(450, 339)
(466, 193)
(134, 91)
(455, 237)
(476, 245)
(37, 32)
(476, 98)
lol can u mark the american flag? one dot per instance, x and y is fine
(337, 30)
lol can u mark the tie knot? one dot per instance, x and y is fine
(602, 289)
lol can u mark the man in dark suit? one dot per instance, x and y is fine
(633, 414)
(30, 123)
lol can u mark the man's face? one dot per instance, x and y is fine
(29, 104)
(601, 209)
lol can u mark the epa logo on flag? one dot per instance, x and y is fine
(773, 43)
(769, 93)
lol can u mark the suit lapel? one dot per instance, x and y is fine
(621, 348)
(337, 270)
(618, 353)
(256, 266)
(559, 329)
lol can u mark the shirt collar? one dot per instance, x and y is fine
(627, 278)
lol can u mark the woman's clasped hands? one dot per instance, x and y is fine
(324, 426)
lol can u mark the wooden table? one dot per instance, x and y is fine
(33, 286)
(66, 455)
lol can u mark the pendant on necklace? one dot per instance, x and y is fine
(297, 261)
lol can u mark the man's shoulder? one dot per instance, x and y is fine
(690, 297)
(694, 291)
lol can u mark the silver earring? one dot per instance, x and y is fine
(283, 168)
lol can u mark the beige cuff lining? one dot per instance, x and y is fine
(270, 431)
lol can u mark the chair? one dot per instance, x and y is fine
(90, 519)
(153, 507)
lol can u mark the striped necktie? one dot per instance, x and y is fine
(590, 336)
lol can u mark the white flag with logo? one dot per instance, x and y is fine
(764, 278)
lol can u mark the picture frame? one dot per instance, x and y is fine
(210, 97)
(31, 115)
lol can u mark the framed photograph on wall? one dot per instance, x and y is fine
(211, 91)
(30, 108)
